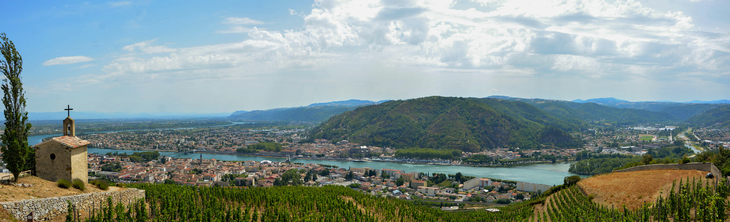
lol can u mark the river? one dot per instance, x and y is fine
(550, 174)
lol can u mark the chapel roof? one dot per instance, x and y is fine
(69, 141)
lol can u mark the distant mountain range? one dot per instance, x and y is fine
(566, 115)
(315, 112)
(611, 100)
(34, 116)
(657, 105)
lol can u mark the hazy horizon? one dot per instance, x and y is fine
(198, 57)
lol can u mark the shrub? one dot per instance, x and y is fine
(684, 160)
(78, 184)
(63, 183)
(571, 180)
(101, 184)
(503, 201)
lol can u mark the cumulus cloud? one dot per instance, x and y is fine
(588, 39)
(67, 60)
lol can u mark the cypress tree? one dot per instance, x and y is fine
(17, 155)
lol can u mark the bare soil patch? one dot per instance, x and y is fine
(634, 188)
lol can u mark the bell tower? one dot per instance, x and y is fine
(69, 126)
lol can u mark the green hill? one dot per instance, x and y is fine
(467, 124)
(686, 111)
(524, 110)
(592, 112)
(717, 118)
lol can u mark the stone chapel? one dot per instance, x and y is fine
(62, 157)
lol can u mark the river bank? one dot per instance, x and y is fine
(284, 156)
(547, 173)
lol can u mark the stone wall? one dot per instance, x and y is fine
(709, 167)
(47, 208)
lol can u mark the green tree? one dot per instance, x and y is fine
(325, 172)
(17, 155)
(646, 158)
(399, 181)
(458, 177)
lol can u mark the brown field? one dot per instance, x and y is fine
(634, 188)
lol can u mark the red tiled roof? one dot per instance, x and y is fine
(69, 141)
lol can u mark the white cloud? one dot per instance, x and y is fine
(148, 48)
(591, 39)
(67, 60)
(84, 66)
(241, 21)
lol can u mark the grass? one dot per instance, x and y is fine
(41, 189)
(646, 138)
(633, 188)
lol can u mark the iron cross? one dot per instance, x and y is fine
(69, 110)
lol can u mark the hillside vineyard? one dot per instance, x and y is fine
(690, 200)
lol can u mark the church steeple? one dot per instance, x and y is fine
(69, 126)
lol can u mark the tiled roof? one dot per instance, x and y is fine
(69, 141)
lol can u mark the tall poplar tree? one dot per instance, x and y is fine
(17, 155)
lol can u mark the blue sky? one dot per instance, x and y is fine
(196, 56)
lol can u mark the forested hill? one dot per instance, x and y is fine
(532, 113)
(592, 112)
(467, 124)
(313, 113)
(716, 118)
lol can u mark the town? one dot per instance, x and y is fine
(149, 167)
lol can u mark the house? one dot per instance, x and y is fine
(429, 191)
(417, 183)
(391, 172)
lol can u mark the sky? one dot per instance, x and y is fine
(223, 56)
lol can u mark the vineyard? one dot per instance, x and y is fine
(691, 199)
(293, 203)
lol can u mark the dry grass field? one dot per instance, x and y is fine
(634, 188)
(41, 189)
